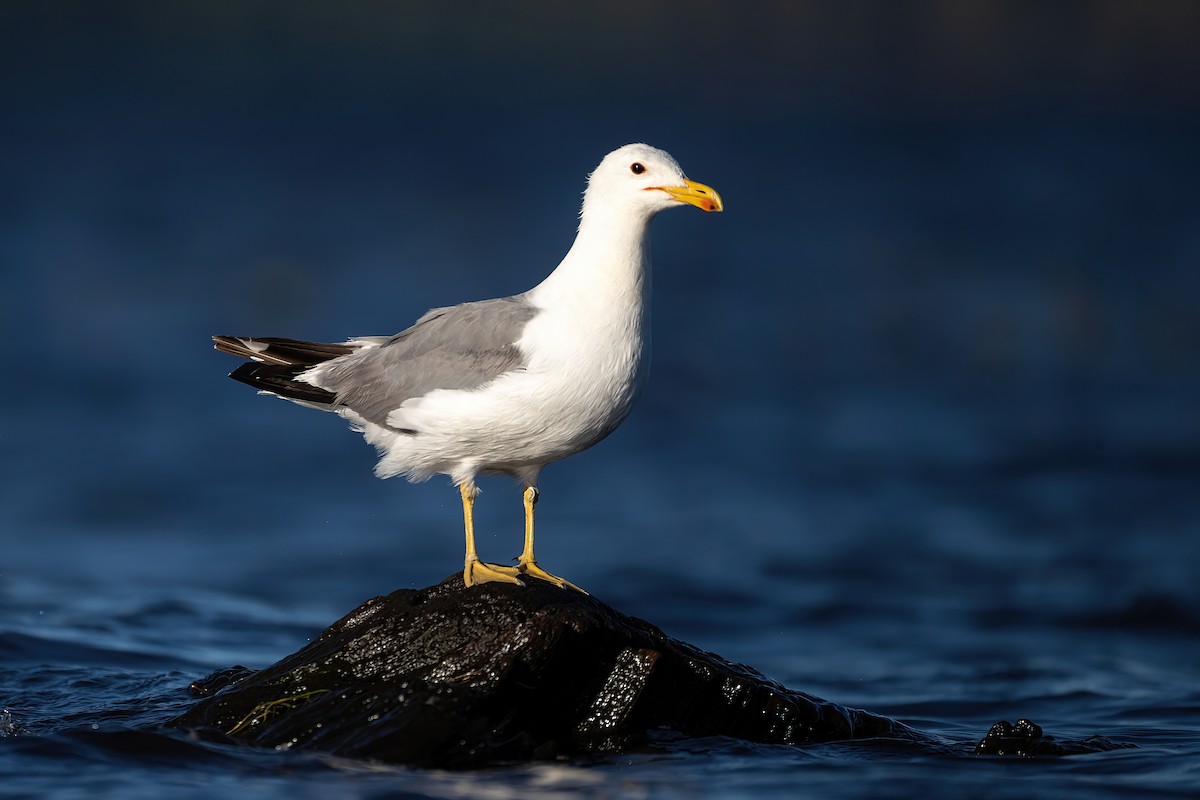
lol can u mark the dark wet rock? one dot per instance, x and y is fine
(1025, 739)
(453, 677)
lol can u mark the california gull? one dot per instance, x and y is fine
(502, 386)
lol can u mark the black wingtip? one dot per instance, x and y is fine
(275, 350)
(280, 379)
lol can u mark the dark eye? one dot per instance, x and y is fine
(637, 168)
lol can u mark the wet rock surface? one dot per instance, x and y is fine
(1026, 739)
(454, 677)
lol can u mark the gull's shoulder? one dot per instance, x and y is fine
(474, 326)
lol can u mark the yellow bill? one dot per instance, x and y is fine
(696, 194)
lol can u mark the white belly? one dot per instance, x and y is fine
(580, 382)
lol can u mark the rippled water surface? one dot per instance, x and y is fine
(921, 435)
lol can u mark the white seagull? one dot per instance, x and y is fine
(502, 386)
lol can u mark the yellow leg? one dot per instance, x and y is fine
(526, 564)
(474, 570)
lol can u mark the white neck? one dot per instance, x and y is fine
(608, 263)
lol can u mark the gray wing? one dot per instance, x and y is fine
(458, 347)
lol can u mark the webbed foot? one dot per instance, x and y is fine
(477, 572)
(532, 569)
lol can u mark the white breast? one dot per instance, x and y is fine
(587, 361)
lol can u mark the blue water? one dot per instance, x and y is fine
(921, 434)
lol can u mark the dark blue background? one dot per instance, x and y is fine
(921, 433)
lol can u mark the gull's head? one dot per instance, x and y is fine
(642, 180)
